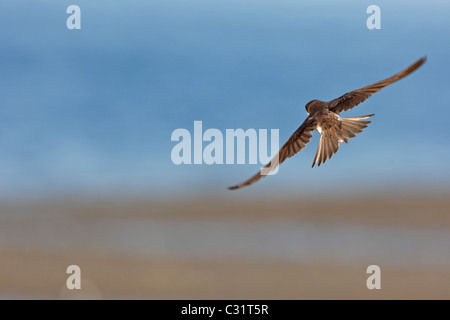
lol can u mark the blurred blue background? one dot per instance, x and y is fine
(91, 111)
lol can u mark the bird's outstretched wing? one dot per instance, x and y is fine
(295, 143)
(353, 98)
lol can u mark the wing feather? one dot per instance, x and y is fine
(293, 145)
(353, 98)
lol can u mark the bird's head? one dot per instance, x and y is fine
(310, 106)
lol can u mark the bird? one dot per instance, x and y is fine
(324, 117)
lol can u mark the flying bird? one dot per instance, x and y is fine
(324, 117)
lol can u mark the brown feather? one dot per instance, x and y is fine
(293, 145)
(353, 98)
(334, 128)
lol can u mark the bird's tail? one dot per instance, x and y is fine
(330, 140)
(352, 126)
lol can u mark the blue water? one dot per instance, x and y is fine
(92, 110)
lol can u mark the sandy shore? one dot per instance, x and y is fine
(41, 238)
(411, 210)
(40, 275)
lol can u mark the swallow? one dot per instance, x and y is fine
(334, 129)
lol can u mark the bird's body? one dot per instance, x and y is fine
(334, 129)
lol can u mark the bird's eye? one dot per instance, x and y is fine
(307, 106)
